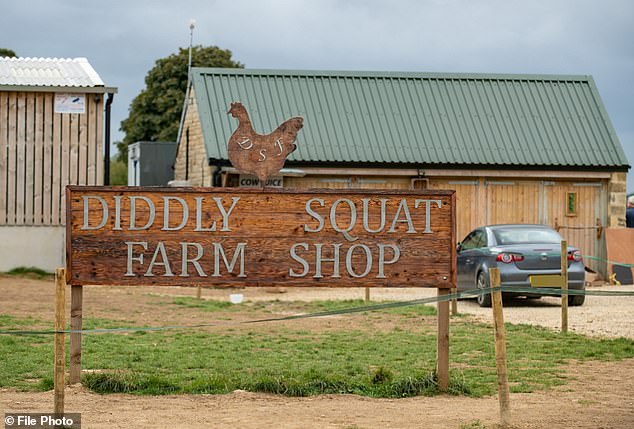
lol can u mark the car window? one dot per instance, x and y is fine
(474, 240)
(526, 235)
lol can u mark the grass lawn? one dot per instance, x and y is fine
(397, 360)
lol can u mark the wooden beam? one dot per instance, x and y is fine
(76, 322)
(500, 349)
(564, 286)
(442, 345)
(60, 349)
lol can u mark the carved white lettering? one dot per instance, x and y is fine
(302, 261)
(402, 206)
(160, 249)
(315, 215)
(319, 259)
(396, 254)
(104, 212)
(133, 210)
(368, 260)
(166, 213)
(132, 258)
(226, 213)
(185, 259)
(239, 253)
(353, 218)
(427, 212)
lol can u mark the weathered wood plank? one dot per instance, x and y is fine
(82, 141)
(11, 155)
(65, 163)
(59, 375)
(56, 169)
(47, 158)
(4, 121)
(91, 144)
(20, 187)
(252, 237)
(29, 158)
(76, 321)
(38, 158)
(99, 144)
(73, 140)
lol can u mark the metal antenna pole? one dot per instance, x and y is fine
(192, 25)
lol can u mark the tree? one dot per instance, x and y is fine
(156, 112)
(118, 171)
(4, 52)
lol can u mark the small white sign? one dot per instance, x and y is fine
(253, 182)
(70, 103)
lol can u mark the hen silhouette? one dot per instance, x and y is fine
(257, 154)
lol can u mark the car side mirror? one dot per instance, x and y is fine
(459, 247)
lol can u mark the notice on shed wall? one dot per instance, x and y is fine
(254, 237)
(70, 103)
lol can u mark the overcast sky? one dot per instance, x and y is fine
(123, 39)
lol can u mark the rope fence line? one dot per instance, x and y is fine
(375, 307)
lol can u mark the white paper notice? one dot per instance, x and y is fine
(70, 103)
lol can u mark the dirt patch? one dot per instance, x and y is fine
(598, 395)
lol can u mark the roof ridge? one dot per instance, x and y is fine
(393, 74)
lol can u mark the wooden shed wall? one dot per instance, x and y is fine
(41, 152)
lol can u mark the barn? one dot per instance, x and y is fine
(51, 135)
(515, 148)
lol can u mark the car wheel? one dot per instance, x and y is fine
(576, 300)
(483, 300)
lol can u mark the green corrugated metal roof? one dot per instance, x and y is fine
(417, 118)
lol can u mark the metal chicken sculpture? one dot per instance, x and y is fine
(260, 155)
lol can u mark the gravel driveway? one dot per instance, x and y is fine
(600, 316)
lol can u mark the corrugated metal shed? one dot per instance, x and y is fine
(417, 118)
(47, 72)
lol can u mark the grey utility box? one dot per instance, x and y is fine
(151, 163)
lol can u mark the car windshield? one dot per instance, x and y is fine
(526, 235)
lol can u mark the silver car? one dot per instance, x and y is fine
(527, 256)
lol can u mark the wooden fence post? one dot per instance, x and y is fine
(564, 286)
(442, 346)
(500, 349)
(60, 349)
(367, 294)
(76, 316)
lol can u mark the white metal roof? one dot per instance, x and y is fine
(48, 72)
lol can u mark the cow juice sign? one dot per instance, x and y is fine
(253, 237)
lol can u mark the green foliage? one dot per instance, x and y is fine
(156, 112)
(475, 424)
(30, 272)
(4, 52)
(118, 171)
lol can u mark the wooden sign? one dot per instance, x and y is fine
(260, 155)
(250, 237)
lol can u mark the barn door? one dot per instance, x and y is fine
(577, 210)
(512, 202)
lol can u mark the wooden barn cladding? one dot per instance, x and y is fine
(42, 151)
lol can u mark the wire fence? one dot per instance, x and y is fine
(366, 308)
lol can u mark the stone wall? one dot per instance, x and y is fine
(617, 192)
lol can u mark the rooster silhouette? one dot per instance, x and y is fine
(257, 154)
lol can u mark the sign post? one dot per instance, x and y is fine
(60, 349)
(260, 237)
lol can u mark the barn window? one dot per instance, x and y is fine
(571, 204)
